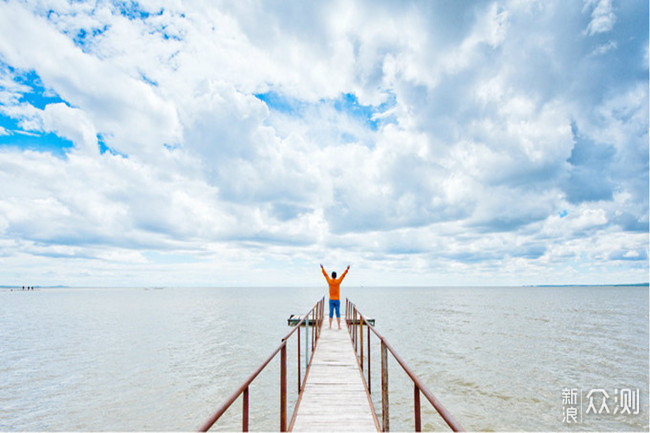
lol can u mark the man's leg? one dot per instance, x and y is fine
(338, 313)
(331, 312)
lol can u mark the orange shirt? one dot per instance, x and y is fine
(335, 284)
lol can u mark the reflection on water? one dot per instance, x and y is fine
(136, 359)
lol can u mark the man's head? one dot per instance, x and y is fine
(333, 274)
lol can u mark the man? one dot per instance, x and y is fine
(335, 289)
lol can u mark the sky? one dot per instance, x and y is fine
(220, 143)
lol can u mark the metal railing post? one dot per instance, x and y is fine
(347, 315)
(313, 334)
(316, 322)
(416, 407)
(354, 327)
(244, 422)
(385, 424)
(283, 388)
(361, 340)
(369, 387)
(347, 301)
(352, 322)
(298, 359)
(306, 347)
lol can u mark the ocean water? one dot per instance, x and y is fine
(164, 359)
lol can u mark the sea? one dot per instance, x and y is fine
(569, 358)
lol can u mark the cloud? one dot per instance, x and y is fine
(431, 141)
(602, 49)
(602, 17)
(113, 100)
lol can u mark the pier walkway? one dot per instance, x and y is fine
(334, 397)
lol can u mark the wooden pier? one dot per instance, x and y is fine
(334, 394)
(334, 397)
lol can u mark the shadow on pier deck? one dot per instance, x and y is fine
(334, 394)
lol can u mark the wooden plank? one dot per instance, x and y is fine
(334, 398)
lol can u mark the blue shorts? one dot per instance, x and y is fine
(335, 305)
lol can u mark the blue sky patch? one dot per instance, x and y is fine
(39, 142)
(281, 103)
(8, 123)
(39, 97)
(169, 36)
(84, 35)
(148, 80)
(133, 11)
(349, 103)
(103, 147)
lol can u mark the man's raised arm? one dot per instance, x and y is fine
(345, 272)
(324, 273)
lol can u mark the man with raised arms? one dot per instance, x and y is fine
(335, 290)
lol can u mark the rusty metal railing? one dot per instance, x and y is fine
(356, 321)
(314, 318)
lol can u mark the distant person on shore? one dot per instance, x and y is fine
(335, 290)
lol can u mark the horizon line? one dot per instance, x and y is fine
(65, 286)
